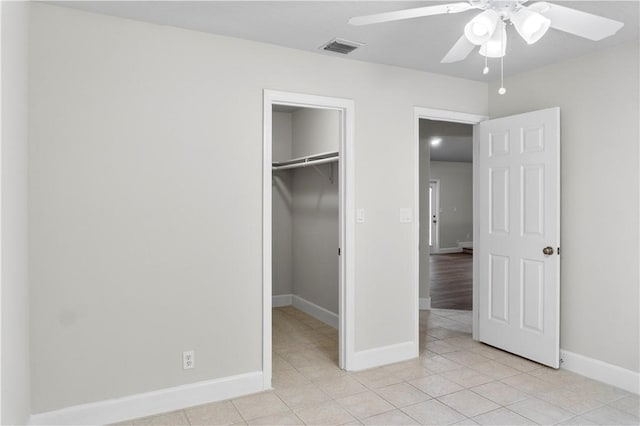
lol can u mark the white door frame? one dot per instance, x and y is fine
(435, 237)
(346, 329)
(454, 117)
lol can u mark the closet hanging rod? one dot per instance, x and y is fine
(306, 163)
(311, 160)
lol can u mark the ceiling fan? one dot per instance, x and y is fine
(488, 28)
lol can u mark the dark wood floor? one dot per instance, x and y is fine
(451, 280)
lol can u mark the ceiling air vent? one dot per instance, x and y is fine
(341, 46)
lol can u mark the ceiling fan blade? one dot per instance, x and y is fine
(577, 22)
(410, 13)
(459, 51)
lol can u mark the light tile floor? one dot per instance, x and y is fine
(454, 381)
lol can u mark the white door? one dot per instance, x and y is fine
(519, 234)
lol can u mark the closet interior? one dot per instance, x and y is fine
(305, 214)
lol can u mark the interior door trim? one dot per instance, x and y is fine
(346, 329)
(454, 117)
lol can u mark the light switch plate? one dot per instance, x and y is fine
(359, 215)
(406, 215)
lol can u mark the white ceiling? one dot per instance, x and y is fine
(415, 43)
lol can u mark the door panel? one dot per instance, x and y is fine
(499, 194)
(518, 216)
(532, 210)
(499, 289)
(532, 291)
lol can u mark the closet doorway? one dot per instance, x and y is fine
(307, 239)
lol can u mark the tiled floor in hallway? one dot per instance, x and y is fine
(454, 381)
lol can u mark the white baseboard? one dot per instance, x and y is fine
(150, 403)
(425, 303)
(447, 250)
(318, 312)
(601, 371)
(465, 244)
(281, 300)
(384, 355)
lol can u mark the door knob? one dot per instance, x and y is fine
(548, 250)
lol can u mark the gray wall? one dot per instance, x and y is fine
(315, 131)
(282, 136)
(145, 199)
(315, 209)
(598, 100)
(456, 201)
(282, 207)
(16, 399)
(316, 236)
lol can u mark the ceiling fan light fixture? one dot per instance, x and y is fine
(496, 46)
(530, 24)
(480, 29)
(487, 29)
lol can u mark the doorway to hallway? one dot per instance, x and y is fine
(446, 186)
(451, 281)
(515, 182)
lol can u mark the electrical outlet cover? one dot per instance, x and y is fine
(188, 360)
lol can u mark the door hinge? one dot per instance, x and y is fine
(339, 252)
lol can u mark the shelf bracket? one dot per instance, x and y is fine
(330, 177)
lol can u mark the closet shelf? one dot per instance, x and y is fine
(311, 160)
